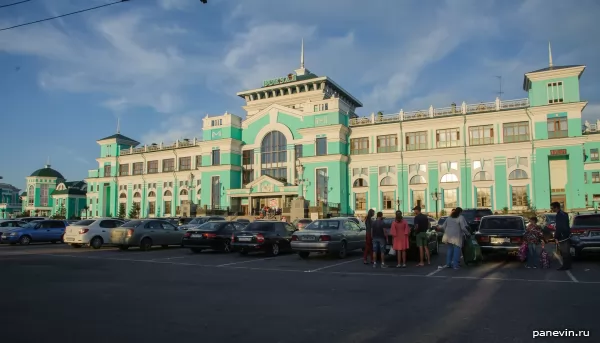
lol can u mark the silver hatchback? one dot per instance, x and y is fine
(336, 236)
(145, 233)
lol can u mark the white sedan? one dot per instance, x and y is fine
(91, 232)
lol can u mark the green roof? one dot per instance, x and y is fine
(119, 137)
(47, 172)
(75, 184)
(70, 191)
(24, 194)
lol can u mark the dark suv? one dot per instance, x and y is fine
(474, 215)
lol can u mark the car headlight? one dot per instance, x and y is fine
(13, 234)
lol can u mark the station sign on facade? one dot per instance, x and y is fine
(558, 152)
(279, 80)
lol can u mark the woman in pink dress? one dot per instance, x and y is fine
(400, 232)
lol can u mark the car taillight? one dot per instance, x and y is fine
(438, 228)
(324, 238)
(232, 237)
(84, 230)
(477, 219)
(516, 240)
(551, 226)
(294, 238)
(483, 238)
(210, 235)
(129, 232)
(187, 234)
(577, 231)
(260, 238)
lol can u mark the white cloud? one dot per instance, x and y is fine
(173, 128)
(172, 29)
(176, 4)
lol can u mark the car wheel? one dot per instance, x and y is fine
(196, 250)
(24, 240)
(53, 242)
(76, 245)
(303, 254)
(226, 246)
(123, 247)
(576, 253)
(274, 249)
(343, 252)
(243, 252)
(96, 242)
(146, 244)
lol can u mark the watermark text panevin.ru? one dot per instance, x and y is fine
(561, 333)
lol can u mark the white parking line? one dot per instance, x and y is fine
(331, 266)
(571, 276)
(167, 258)
(230, 264)
(435, 272)
(559, 258)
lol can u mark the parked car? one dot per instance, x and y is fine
(301, 223)
(196, 222)
(146, 233)
(413, 250)
(547, 221)
(473, 217)
(582, 223)
(36, 231)
(184, 220)
(92, 232)
(588, 241)
(30, 219)
(267, 236)
(334, 236)
(501, 233)
(215, 235)
(439, 227)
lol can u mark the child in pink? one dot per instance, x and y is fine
(400, 232)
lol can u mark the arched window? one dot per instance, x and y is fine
(274, 155)
(361, 183)
(518, 174)
(123, 196)
(168, 193)
(183, 192)
(449, 178)
(151, 194)
(137, 195)
(30, 195)
(387, 181)
(482, 176)
(417, 180)
(199, 192)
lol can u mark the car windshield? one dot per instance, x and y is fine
(260, 226)
(31, 224)
(210, 226)
(132, 223)
(470, 215)
(442, 220)
(198, 221)
(83, 223)
(323, 225)
(550, 217)
(499, 223)
(586, 221)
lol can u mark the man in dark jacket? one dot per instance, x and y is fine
(562, 234)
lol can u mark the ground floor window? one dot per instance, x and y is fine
(216, 192)
(484, 197)
(419, 199)
(361, 201)
(388, 200)
(321, 185)
(450, 198)
(151, 207)
(167, 208)
(519, 196)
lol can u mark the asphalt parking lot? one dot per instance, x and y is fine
(124, 296)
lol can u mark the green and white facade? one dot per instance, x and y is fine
(301, 136)
(10, 201)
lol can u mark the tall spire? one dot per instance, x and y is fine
(302, 55)
(118, 125)
(48, 162)
(550, 55)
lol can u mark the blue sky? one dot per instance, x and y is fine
(162, 65)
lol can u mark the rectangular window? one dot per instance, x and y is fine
(416, 140)
(297, 151)
(484, 196)
(216, 192)
(198, 161)
(361, 201)
(388, 200)
(248, 157)
(276, 173)
(387, 143)
(359, 146)
(247, 176)
(447, 138)
(481, 135)
(450, 198)
(516, 132)
(153, 167)
(168, 165)
(152, 207)
(595, 177)
(185, 163)
(322, 146)
(519, 196)
(555, 92)
(594, 155)
(557, 127)
(43, 195)
(138, 168)
(419, 199)
(124, 170)
(107, 170)
(321, 185)
(167, 211)
(216, 157)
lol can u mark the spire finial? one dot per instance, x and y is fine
(48, 162)
(302, 55)
(118, 125)
(550, 55)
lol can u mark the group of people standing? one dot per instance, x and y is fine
(377, 238)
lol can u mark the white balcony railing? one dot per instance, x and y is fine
(159, 147)
(432, 112)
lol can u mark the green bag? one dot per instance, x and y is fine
(472, 251)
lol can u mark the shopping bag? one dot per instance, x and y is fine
(544, 259)
(523, 252)
(392, 252)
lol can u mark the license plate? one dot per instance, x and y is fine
(196, 236)
(309, 238)
(244, 239)
(70, 239)
(496, 240)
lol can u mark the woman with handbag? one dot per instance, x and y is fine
(455, 228)
(400, 232)
(368, 249)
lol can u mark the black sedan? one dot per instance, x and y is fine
(215, 235)
(500, 233)
(267, 236)
(413, 250)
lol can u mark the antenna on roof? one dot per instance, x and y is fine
(118, 125)
(550, 64)
(48, 162)
(500, 92)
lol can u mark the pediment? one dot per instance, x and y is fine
(265, 184)
(272, 111)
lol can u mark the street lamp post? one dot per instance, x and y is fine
(300, 180)
(435, 195)
(398, 203)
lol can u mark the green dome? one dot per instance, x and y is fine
(47, 172)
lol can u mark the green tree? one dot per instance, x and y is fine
(61, 213)
(122, 211)
(135, 211)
